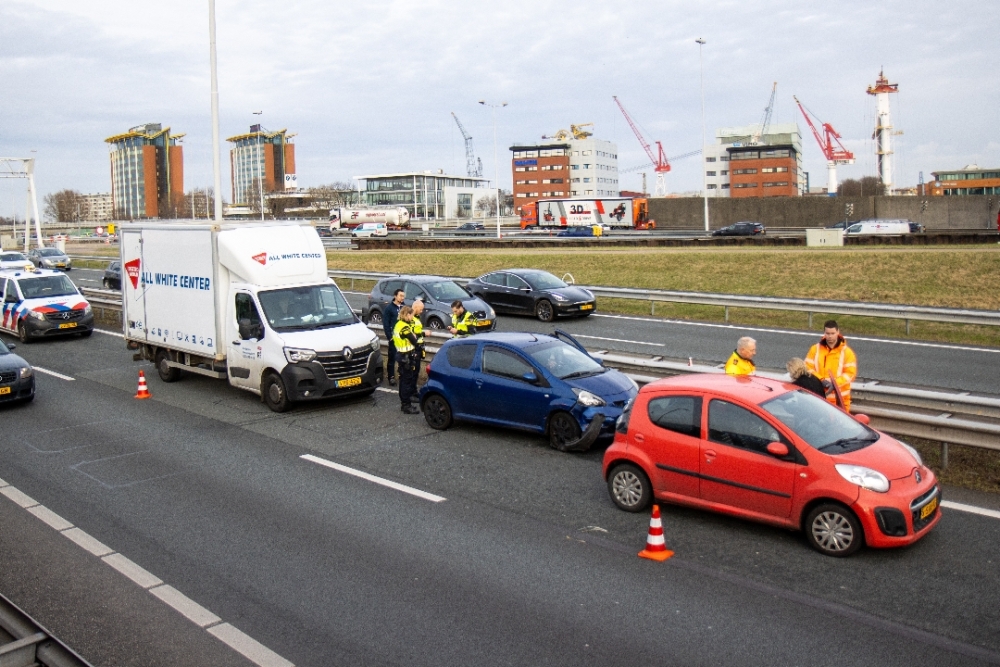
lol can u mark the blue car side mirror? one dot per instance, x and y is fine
(530, 377)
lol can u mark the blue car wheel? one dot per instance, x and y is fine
(564, 430)
(437, 412)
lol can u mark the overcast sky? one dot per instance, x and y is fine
(368, 87)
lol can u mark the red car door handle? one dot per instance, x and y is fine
(639, 437)
(709, 455)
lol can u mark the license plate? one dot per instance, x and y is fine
(349, 382)
(484, 323)
(587, 306)
(68, 325)
(4, 390)
(61, 266)
(929, 509)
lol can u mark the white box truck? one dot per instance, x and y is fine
(245, 301)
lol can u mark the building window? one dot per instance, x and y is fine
(723, 158)
(576, 180)
(745, 185)
(532, 168)
(522, 194)
(725, 172)
(586, 166)
(587, 180)
(588, 192)
(575, 166)
(518, 168)
(588, 152)
(710, 173)
(775, 184)
(710, 159)
(711, 186)
(744, 171)
(725, 186)
(521, 182)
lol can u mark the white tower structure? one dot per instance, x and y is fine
(883, 128)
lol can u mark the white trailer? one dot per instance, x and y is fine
(349, 218)
(246, 302)
(615, 212)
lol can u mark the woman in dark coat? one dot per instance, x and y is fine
(803, 378)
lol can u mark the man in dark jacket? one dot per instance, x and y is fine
(389, 316)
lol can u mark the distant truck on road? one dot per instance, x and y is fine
(249, 303)
(616, 212)
(349, 218)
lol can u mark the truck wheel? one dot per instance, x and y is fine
(166, 373)
(273, 391)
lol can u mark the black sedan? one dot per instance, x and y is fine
(741, 229)
(113, 276)
(471, 227)
(17, 379)
(532, 292)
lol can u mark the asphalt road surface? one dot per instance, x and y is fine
(495, 551)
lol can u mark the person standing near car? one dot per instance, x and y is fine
(405, 342)
(741, 361)
(801, 377)
(831, 357)
(390, 315)
(462, 321)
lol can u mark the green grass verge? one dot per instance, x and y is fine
(968, 467)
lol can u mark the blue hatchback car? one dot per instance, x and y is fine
(534, 382)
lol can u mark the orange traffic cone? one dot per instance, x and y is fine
(656, 547)
(143, 392)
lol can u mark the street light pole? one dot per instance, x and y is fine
(496, 160)
(704, 177)
(260, 156)
(216, 167)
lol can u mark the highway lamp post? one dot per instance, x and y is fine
(260, 166)
(216, 166)
(496, 159)
(704, 176)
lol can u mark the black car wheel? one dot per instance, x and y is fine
(166, 373)
(375, 316)
(563, 430)
(437, 412)
(834, 530)
(274, 393)
(22, 333)
(544, 311)
(629, 487)
(435, 323)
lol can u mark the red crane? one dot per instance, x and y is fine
(834, 154)
(660, 163)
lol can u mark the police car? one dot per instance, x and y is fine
(41, 303)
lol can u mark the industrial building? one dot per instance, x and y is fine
(570, 166)
(261, 158)
(426, 195)
(743, 162)
(147, 171)
(970, 180)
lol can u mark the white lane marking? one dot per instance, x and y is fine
(109, 333)
(87, 543)
(388, 389)
(620, 340)
(810, 334)
(972, 509)
(247, 646)
(49, 517)
(372, 478)
(88, 280)
(137, 574)
(185, 606)
(54, 374)
(22, 499)
(3, 484)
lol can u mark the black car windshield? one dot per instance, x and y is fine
(12, 257)
(446, 290)
(819, 423)
(50, 252)
(311, 307)
(543, 280)
(564, 361)
(46, 286)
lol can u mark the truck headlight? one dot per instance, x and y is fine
(866, 478)
(26, 372)
(584, 397)
(374, 344)
(295, 355)
(37, 315)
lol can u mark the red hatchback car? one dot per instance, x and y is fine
(768, 451)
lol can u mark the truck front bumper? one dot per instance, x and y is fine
(306, 381)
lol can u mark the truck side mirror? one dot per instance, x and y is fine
(246, 329)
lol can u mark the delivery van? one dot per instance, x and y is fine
(370, 229)
(869, 227)
(245, 302)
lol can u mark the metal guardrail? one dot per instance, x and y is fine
(29, 644)
(947, 417)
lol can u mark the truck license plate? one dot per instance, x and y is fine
(349, 382)
(68, 325)
(4, 390)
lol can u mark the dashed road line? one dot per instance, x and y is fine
(50, 518)
(372, 478)
(21, 499)
(54, 374)
(185, 606)
(971, 509)
(87, 543)
(247, 646)
(137, 574)
(109, 333)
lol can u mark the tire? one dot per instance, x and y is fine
(166, 373)
(563, 430)
(437, 412)
(435, 323)
(375, 316)
(274, 394)
(629, 487)
(22, 334)
(834, 530)
(544, 311)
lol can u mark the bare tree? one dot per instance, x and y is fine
(334, 195)
(65, 206)
(868, 186)
(487, 205)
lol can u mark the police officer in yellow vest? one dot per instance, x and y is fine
(741, 361)
(408, 359)
(462, 321)
(418, 325)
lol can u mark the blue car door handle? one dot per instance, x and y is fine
(479, 384)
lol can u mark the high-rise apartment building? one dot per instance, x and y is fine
(570, 168)
(260, 158)
(147, 171)
(738, 165)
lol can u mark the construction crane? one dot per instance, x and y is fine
(671, 160)
(834, 154)
(574, 132)
(765, 121)
(661, 165)
(473, 165)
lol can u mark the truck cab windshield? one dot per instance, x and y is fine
(306, 308)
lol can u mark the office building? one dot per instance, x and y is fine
(97, 208)
(147, 172)
(968, 181)
(426, 195)
(261, 158)
(585, 168)
(736, 165)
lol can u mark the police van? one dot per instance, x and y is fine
(39, 303)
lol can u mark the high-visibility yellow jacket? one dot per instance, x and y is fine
(418, 330)
(737, 365)
(840, 361)
(402, 337)
(462, 324)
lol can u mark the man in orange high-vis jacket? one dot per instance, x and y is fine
(832, 356)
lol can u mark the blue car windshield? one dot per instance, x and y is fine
(820, 424)
(564, 361)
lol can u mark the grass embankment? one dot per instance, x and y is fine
(947, 277)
